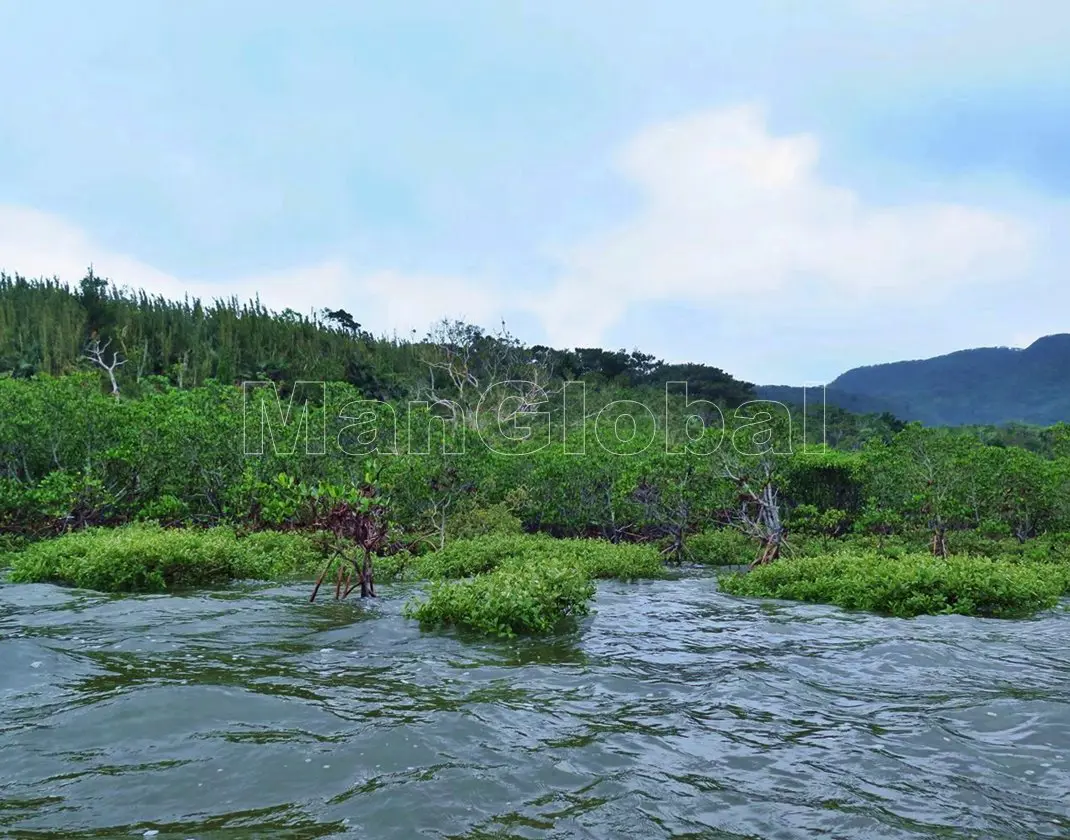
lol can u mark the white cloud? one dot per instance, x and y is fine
(37, 244)
(733, 221)
(738, 218)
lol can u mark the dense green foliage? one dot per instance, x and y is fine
(720, 547)
(517, 597)
(504, 584)
(148, 558)
(483, 521)
(614, 479)
(479, 555)
(45, 325)
(909, 585)
(597, 558)
(71, 455)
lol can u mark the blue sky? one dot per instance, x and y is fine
(782, 189)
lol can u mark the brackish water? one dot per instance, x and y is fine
(674, 711)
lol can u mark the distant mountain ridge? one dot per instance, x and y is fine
(983, 386)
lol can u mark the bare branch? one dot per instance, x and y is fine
(94, 352)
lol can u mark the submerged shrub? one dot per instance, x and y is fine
(599, 559)
(910, 585)
(144, 557)
(624, 561)
(721, 547)
(519, 597)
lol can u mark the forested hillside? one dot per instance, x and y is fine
(48, 327)
(985, 386)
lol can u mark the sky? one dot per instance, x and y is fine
(781, 189)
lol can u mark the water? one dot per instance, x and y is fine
(675, 711)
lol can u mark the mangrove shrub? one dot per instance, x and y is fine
(144, 557)
(914, 584)
(596, 558)
(518, 597)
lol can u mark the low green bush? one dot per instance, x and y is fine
(894, 546)
(476, 556)
(910, 585)
(721, 547)
(394, 567)
(165, 509)
(519, 597)
(598, 558)
(479, 522)
(145, 557)
(9, 545)
(1051, 548)
(623, 561)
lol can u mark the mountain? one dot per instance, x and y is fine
(984, 386)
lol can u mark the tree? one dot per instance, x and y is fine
(95, 353)
(343, 320)
(755, 464)
(924, 475)
(93, 298)
(1022, 488)
(477, 371)
(359, 520)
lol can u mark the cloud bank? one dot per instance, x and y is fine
(732, 219)
(736, 218)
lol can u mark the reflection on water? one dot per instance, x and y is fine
(673, 711)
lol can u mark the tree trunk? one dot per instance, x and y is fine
(319, 581)
(768, 552)
(367, 583)
(939, 542)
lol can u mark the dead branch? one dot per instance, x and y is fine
(758, 514)
(94, 352)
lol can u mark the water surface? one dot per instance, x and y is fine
(673, 711)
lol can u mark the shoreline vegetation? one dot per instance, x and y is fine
(131, 459)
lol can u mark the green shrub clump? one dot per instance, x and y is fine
(390, 568)
(909, 585)
(145, 557)
(518, 597)
(507, 584)
(720, 547)
(464, 558)
(478, 522)
(478, 555)
(623, 561)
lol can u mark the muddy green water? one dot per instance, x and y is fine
(674, 711)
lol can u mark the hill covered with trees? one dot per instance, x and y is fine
(984, 386)
(49, 327)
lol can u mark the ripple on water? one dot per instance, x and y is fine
(672, 711)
